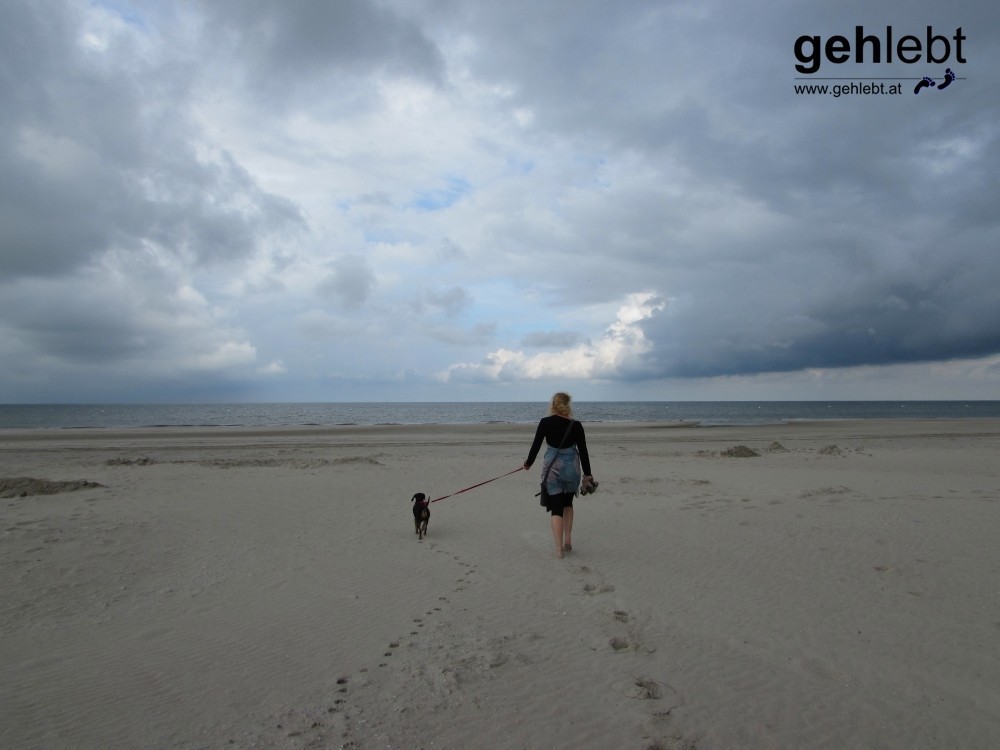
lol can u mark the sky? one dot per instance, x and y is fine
(433, 200)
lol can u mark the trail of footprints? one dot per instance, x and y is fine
(348, 725)
(345, 724)
(623, 632)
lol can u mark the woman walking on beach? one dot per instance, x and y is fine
(566, 452)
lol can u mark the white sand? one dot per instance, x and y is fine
(264, 588)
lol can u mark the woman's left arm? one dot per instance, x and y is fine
(581, 446)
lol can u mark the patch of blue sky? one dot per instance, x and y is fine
(521, 166)
(381, 236)
(126, 12)
(436, 199)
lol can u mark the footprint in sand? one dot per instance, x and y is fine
(632, 644)
(646, 688)
(591, 588)
(642, 688)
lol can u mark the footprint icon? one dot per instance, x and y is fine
(925, 83)
(949, 76)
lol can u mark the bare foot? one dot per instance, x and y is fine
(559, 553)
(568, 547)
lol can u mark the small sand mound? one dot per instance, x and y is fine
(740, 451)
(358, 460)
(776, 447)
(830, 450)
(24, 486)
(824, 491)
(123, 461)
(289, 463)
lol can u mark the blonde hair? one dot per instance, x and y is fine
(560, 405)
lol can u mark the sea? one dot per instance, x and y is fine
(704, 413)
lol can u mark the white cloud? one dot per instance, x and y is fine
(228, 355)
(274, 368)
(614, 355)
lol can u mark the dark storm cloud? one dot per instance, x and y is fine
(872, 232)
(811, 314)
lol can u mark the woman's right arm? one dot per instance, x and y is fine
(535, 445)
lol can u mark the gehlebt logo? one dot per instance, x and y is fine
(815, 54)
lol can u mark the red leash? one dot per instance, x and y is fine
(519, 468)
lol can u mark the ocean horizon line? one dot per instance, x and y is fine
(345, 413)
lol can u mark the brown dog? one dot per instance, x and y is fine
(421, 513)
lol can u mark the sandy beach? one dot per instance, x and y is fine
(837, 585)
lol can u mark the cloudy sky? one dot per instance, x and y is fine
(335, 200)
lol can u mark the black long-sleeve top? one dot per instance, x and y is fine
(552, 429)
